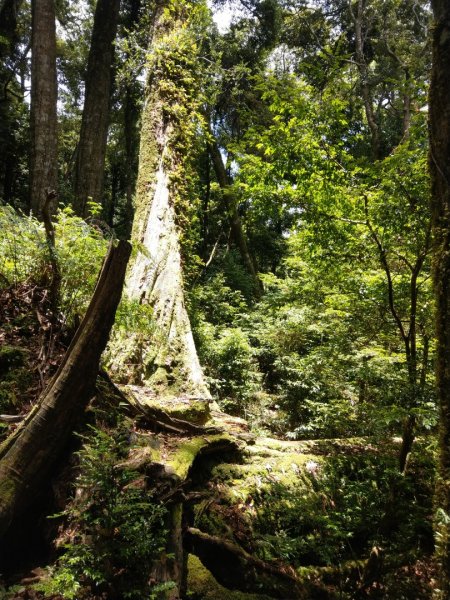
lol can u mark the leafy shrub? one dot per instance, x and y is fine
(80, 249)
(216, 302)
(233, 370)
(224, 348)
(22, 247)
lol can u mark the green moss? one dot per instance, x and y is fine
(149, 155)
(267, 462)
(203, 586)
(210, 521)
(195, 411)
(178, 407)
(140, 457)
(182, 457)
(7, 491)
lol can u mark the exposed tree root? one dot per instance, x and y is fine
(236, 569)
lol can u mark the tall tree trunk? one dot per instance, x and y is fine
(234, 218)
(90, 159)
(131, 116)
(8, 45)
(28, 455)
(8, 23)
(168, 362)
(439, 129)
(43, 163)
(131, 111)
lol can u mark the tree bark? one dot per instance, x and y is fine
(131, 112)
(27, 456)
(90, 159)
(43, 124)
(439, 130)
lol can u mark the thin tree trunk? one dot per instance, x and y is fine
(8, 23)
(234, 218)
(27, 456)
(131, 115)
(43, 167)
(439, 129)
(366, 91)
(408, 436)
(131, 112)
(90, 160)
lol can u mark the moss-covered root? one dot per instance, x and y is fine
(233, 566)
(172, 410)
(202, 584)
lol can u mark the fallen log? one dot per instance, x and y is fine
(28, 455)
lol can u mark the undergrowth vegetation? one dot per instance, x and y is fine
(300, 361)
(356, 501)
(79, 248)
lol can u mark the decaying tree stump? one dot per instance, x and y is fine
(27, 456)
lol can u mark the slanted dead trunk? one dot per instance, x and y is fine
(27, 456)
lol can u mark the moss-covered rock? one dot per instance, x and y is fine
(267, 462)
(191, 409)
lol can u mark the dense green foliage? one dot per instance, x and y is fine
(25, 255)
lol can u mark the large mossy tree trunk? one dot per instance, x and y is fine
(28, 455)
(439, 105)
(167, 363)
(43, 116)
(91, 152)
